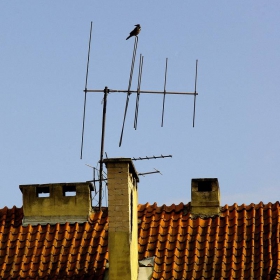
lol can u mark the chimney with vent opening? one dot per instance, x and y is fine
(205, 197)
(56, 203)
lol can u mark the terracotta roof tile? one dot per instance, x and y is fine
(243, 243)
(52, 251)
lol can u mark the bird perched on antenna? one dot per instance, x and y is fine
(135, 31)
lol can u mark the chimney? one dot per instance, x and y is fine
(205, 197)
(122, 212)
(56, 203)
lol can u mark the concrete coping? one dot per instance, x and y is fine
(68, 186)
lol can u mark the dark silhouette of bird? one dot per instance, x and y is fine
(135, 31)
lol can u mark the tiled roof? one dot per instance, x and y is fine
(61, 251)
(243, 243)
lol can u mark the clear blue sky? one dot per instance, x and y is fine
(43, 53)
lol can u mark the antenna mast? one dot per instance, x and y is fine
(106, 91)
(128, 92)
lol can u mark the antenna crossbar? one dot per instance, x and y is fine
(145, 91)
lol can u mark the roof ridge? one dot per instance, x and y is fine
(147, 204)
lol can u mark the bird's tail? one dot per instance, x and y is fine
(128, 37)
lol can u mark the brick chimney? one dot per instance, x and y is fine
(56, 203)
(122, 212)
(205, 197)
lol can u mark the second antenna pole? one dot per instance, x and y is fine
(106, 91)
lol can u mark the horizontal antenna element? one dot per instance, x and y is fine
(138, 90)
(194, 100)
(148, 173)
(164, 92)
(129, 86)
(152, 157)
(85, 98)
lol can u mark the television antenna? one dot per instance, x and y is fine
(128, 92)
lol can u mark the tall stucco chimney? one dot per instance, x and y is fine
(122, 182)
(205, 197)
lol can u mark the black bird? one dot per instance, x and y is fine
(135, 31)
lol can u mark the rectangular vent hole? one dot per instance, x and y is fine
(43, 191)
(69, 190)
(205, 186)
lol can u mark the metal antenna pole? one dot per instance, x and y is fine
(129, 85)
(94, 169)
(85, 99)
(106, 91)
(194, 99)
(138, 90)
(164, 92)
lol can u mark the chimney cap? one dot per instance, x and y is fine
(67, 185)
(205, 197)
(132, 168)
